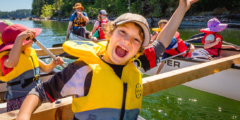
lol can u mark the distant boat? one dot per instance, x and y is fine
(20, 18)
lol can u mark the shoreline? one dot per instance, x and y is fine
(233, 20)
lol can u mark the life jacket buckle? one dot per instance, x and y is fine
(36, 77)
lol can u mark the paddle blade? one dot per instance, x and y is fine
(196, 38)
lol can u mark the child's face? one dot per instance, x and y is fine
(78, 9)
(103, 25)
(124, 44)
(162, 25)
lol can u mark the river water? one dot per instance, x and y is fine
(176, 103)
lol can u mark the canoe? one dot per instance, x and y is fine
(216, 83)
(225, 83)
(73, 36)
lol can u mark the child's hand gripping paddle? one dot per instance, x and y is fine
(45, 49)
(49, 53)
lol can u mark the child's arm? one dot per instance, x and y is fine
(153, 37)
(47, 68)
(228, 46)
(67, 82)
(93, 30)
(95, 36)
(171, 27)
(209, 44)
(14, 54)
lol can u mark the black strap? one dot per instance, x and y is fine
(13, 83)
(177, 50)
(219, 51)
(26, 82)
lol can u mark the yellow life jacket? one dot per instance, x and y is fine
(23, 77)
(1, 41)
(79, 21)
(109, 96)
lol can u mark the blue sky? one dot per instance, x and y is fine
(10, 5)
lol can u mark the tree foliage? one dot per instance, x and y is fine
(23, 13)
(47, 10)
(154, 8)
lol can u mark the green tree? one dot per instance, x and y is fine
(47, 10)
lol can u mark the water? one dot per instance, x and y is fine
(176, 103)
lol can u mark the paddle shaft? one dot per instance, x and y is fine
(230, 44)
(46, 50)
(194, 39)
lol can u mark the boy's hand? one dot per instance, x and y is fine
(90, 35)
(80, 13)
(59, 61)
(186, 3)
(94, 39)
(25, 34)
(234, 47)
(67, 37)
(192, 48)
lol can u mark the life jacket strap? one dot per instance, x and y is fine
(26, 81)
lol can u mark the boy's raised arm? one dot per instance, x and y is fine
(171, 27)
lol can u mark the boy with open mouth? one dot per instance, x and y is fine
(105, 83)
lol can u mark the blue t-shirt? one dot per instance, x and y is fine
(187, 44)
(73, 17)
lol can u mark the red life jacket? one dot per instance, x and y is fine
(214, 50)
(101, 33)
(180, 48)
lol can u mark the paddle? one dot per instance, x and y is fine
(45, 49)
(50, 54)
(60, 55)
(198, 39)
